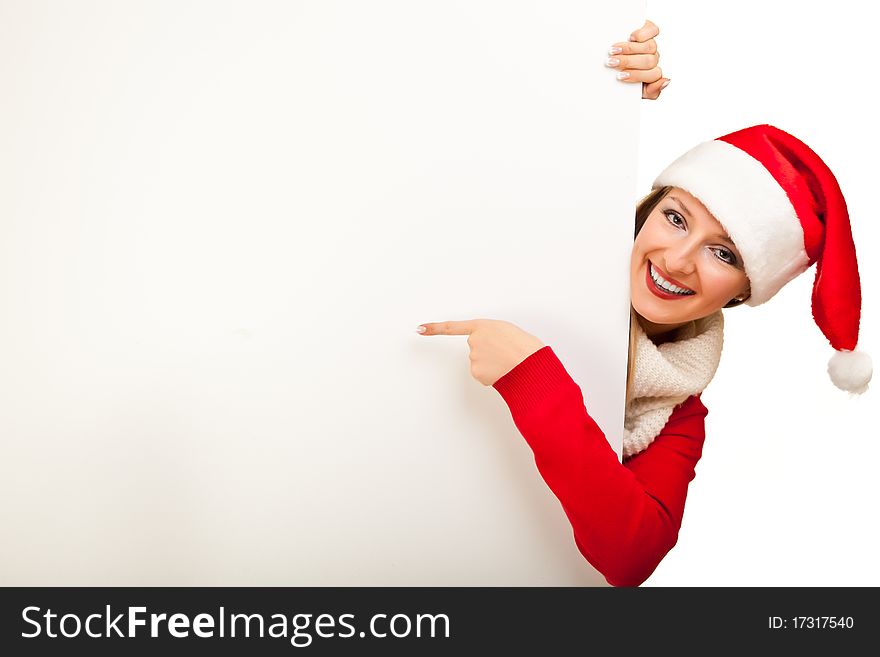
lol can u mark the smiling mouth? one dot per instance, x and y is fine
(663, 288)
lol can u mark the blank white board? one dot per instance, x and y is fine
(221, 223)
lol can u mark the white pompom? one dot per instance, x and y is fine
(850, 370)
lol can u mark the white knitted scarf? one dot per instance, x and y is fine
(665, 375)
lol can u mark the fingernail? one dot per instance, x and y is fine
(623, 75)
(421, 329)
(612, 61)
(615, 50)
(665, 84)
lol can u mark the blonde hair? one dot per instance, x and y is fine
(643, 209)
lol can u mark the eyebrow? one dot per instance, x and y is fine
(688, 213)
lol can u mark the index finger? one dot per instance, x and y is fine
(450, 328)
(646, 32)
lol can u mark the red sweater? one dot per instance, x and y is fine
(625, 516)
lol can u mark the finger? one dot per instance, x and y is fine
(449, 328)
(641, 76)
(652, 91)
(634, 62)
(633, 48)
(647, 31)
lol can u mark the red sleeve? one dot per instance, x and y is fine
(626, 516)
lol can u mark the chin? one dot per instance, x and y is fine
(661, 312)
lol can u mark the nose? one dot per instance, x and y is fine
(680, 259)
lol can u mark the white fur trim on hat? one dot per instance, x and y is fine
(756, 212)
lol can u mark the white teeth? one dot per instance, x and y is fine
(666, 285)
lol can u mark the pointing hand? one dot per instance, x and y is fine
(496, 347)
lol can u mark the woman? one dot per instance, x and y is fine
(730, 222)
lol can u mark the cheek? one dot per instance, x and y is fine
(651, 237)
(634, 258)
(641, 244)
(723, 285)
(637, 258)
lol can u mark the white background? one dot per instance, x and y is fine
(786, 491)
(222, 223)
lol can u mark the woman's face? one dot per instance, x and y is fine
(686, 246)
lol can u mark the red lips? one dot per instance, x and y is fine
(668, 278)
(663, 294)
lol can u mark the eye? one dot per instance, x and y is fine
(675, 215)
(727, 256)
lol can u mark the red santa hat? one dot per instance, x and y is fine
(784, 210)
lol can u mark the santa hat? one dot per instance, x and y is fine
(784, 210)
